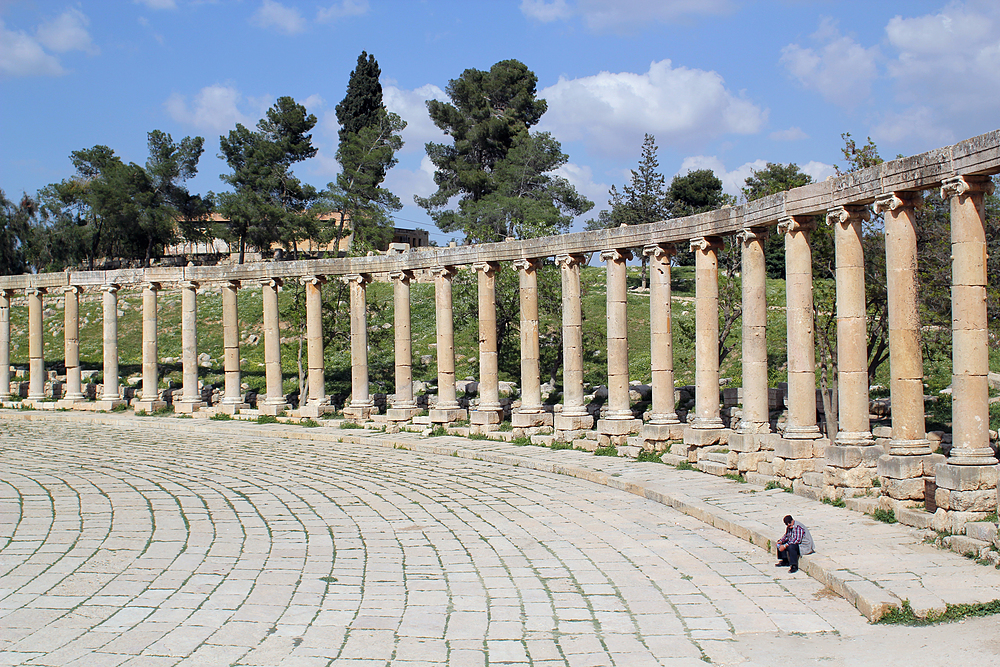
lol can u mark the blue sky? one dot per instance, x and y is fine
(722, 84)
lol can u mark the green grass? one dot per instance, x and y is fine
(736, 477)
(684, 465)
(885, 516)
(839, 502)
(478, 436)
(309, 423)
(438, 432)
(521, 442)
(649, 457)
(561, 445)
(221, 417)
(350, 425)
(905, 615)
(610, 450)
(267, 419)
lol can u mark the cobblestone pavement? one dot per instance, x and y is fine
(128, 544)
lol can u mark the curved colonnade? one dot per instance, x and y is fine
(963, 486)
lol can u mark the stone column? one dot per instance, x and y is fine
(967, 482)
(909, 464)
(71, 345)
(574, 415)
(112, 391)
(190, 400)
(232, 399)
(274, 401)
(404, 407)
(663, 423)
(531, 413)
(447, 409)
(853, 458)
(489, 412)
(5, 296)
(361, 404)
(754, 427)
(706, 426)
(36, 360)
(618, 421)
(315, 404)
(149, 400)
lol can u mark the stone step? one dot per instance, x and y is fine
(967, 546)
(712, 468)
(716, 457)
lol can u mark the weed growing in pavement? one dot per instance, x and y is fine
(221, 417)
(561, 445)
(347, 425)
(649, 457)
(120, 408)
(478, 436)
(685, 465)
(610, 450)
(953, 612)
(309, 423)
(839, 502)
(439, 431)
(521, 442)
(885, 516)
(736, 477)
(267, 419)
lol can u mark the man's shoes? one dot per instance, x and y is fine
(793, 569)
(781, 564)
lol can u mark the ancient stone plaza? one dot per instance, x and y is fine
(157, 540)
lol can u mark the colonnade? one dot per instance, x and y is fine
(845, 463)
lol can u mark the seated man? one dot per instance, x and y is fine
(795, 542)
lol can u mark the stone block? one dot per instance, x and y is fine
(855, 478)
(908, 467)
(982, 530)
(226, 408)
(712, 468)
(904, 489)
(444, 415)
(543, 440)
(862, 504)
(766, 468)
(914, 517)
(967, 546)
(795, 468)
(966, 478)
(401, 414)
(778, 466)
(813, 478)
(618, 426)
(882, 432)
(585, 444)
(747, 442)
(662, 432)
(800, 488)
(702, 437)
(271, 409)
(358, 413)
(749, 461)
(315, 410)
(563, 422)
(530, 419)
(794, 449)
(966, 501)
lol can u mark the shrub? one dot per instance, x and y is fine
(885, 516)
(649, 457)
(610, 450)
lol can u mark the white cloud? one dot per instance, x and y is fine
(275, 15)
(405, 183)
(313, 103)
(681, 106)
(820, 171)
(581, 177)
(840, 69)
(342, 9)
(67, 32)
(411, 106)
(158, 4)
(791, 134)
(214, 108)
(915, 123)
(732, 181)
(618, 15)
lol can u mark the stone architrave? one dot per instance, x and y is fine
(574, 415)
(361, 405)
(663, 424)
(404, 406)
(112, 390)
(905, 470)
(315, 403)
(754, 426)
(149, 400)
(190, 400)
(447, 409)
(706, 426)
(5, 297)
(967, 481)
(531, 413)
(36, 359)
(489, 412)
(71, 346)
(274, 401)
(618, 420)
(232, 396)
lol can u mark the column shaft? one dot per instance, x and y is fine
(71, 342)
(361, 404)
(112, 391)
(531, 393)
(5, 296)
(403, 406)
(489, 381)
(274, 401)
(36, 360)
(447, 409)
(190, 394)
(661, 334)
(233, 393)
(801, 335)
(618, 420)
(574, 413)
(707, 408)
(314, 340)
(906, 366)
(755, 382)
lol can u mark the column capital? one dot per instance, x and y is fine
(401, 276)
(232, 284)
(659, 251)
(360, 279)
(271, 282)
(847, 215)
(35, 291)
(487, 268)
(111, 288)
(616, 255)
(446, 271)
(796, 223)
(894, 200)
(957, 186)
(526, 264)
(568, 261)
(75, 289)
(706, 243)
(749, 234)
(188, 284)
(316, 280)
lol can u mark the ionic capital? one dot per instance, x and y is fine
(111, 288)
(271, 282)
(401, 276)
(151, 286)
(706, 243)
(750, 234)
(231, 284)
(35, 291)
(795, 223)
(73, 289)
(315, 281)
(359, 279)
(527, 264)
(956, 186)
(845, 216)
(189, 284)
(446, 272)
(486, 268)
(569, 261)
(659, 251)
(616, 255)
(894, 200)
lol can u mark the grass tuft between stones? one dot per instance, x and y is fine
(905, 615)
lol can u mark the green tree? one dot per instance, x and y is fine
(268, 203)
(695, 192)
(770, 180)
(15, 231)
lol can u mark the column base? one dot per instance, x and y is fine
(618, 426)
(448, 415)
(702, 437)
(563, 422)
(315, 410)
(149, 406)
(108, 403)
(232, 408)
(188, 407)
(68, 402)
(358, 412)
(401, 414)
(662, 432)
(919, 447)
(810, 432)
(748, 441)
(972, 457)
(850, 439)
(272, 409)
(966, 488)
(530, 419)
(483, 417)
(904, 477)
